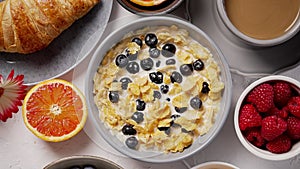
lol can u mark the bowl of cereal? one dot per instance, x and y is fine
(158, 93)
(267, 118)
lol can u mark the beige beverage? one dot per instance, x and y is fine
(262, 19)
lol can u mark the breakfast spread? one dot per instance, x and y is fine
(265, 19)
(29, 26)
(158, 89)
(270, 116)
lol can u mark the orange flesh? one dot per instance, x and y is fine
(54, 109)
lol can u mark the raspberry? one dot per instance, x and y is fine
(281, 144)
(294, 106)
(249, 117)
(262, 97)
(272, 127)
(282, 93)
(283, 113)
(293, 129)
(254, 136)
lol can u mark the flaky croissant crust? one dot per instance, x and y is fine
(27, 26)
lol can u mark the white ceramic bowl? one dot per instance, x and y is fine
(252, 41)
(215, 165)
(83, 160)
(198, 35)
(264, 154)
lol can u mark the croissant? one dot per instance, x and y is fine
(27, 26)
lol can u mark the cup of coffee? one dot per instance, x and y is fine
(261, 23)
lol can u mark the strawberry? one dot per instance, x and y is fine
(282, 93)
(262, 97)
(293, 129)
(272, 127)
(283, 113)
(249, 117)
(254, 136)
(12, 91)
(279, 145)
(294, 106)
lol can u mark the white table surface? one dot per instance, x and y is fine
(20, 149)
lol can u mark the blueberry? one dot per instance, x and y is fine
(168, 131)
(154, 52)
(121, 60)
(170, 62)
(174, 116)
(163, 128)
(140, 105)
(158, 63)
(147, 64)
(168, 99)
(176, 77)
(128, 130)
(180, 109)
(89, 167)
(198, 65)
(196, 103)
(151, 40)
(113, 96)
(156, 77)
(183, 130)
(131, 56)
(125, 81)
(205, 88)
(133, 67)
(137, 41)
(186, 69)
(131, 142)
(164, 89)
(168, 50)
(138, 117)
(157, 94)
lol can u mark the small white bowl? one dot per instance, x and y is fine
(215, 164)
(264, 154)
(252, 41)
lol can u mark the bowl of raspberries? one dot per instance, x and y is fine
(267, 117)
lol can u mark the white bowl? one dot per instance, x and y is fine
(215, 165)
(252, 41)
(264, 154)
(82, 160)
(198, 35)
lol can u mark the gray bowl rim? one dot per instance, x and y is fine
(75, 157)
(252, 41)
(228, 89)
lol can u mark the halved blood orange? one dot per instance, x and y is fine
(54, 110)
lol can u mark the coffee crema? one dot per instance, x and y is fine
(262, 19)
